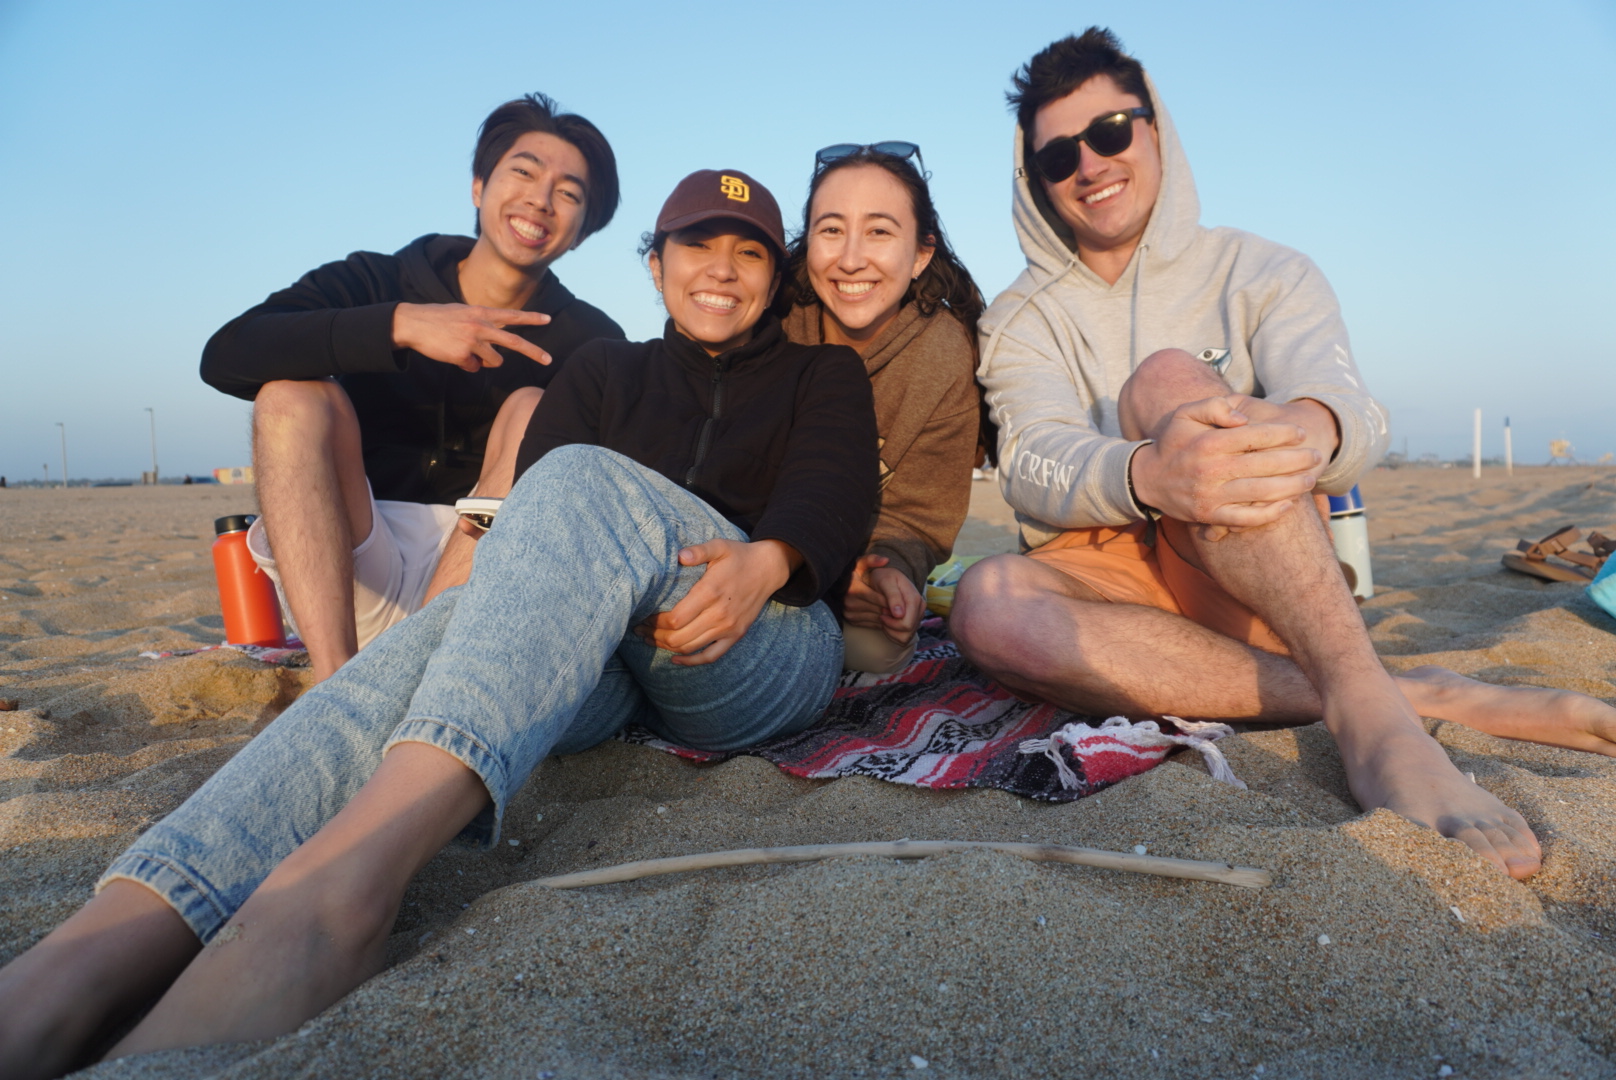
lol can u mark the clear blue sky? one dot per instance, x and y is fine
(165, 165)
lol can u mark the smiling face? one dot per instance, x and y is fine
(716, 280)
(1107, 202)
(863, 251)
(531, 209)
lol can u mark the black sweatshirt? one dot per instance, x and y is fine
(777, 437)
(423, 425)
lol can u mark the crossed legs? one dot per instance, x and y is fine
(316, 502)
(1049, 636)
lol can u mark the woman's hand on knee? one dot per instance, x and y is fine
(723, 604)
(882, 598)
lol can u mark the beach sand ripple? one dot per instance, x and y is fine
(1382, 950)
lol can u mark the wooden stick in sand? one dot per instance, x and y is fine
(1244, 876)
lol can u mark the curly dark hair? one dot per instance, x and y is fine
(945, 284)
(536, 112)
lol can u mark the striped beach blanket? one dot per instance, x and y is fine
(290, 655)
(940, 723)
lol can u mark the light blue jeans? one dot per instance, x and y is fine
(532, 656)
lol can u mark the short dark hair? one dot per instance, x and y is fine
(1067, 64)
(536, 112)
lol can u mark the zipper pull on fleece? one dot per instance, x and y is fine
(706, 438)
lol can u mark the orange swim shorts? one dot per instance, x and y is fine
(1135, 564)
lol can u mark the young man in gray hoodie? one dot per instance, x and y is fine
(1169, 398)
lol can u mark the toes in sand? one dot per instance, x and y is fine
(1391, 762)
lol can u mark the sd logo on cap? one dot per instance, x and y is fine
(726, 193)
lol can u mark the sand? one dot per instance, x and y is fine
(1381, 949)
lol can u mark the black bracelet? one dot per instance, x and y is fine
(1151, 513)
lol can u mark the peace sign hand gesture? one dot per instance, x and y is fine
(465, 335)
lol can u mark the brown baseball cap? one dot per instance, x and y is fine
(723, 193)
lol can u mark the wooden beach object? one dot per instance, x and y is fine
(1245, 877)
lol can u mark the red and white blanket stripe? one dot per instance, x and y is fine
(940, 723)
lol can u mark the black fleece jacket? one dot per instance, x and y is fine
(423, 425)
(777, 437)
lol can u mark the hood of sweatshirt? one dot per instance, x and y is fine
(1060, 342)
(1175, 222)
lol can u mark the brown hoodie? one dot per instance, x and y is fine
(921, 371)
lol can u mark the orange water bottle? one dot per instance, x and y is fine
(252, 611)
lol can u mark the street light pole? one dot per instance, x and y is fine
(153, 413)
(64, 453)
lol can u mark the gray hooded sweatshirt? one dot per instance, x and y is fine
(1058, 344)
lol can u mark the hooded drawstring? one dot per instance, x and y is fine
(993, 339)
(1133, 320)
(1133, 309)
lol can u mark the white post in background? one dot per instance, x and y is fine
(64, 453)
(1475, 454)
(153, 413)
(1509, 451)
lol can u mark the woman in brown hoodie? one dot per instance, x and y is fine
(872, 269)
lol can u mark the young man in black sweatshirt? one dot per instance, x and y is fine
(381, 384)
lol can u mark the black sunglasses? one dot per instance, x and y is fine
(1107, 136)
(901, 150)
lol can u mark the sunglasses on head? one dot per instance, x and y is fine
(902, 150)
(1107, 136)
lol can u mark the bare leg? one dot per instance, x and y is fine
(1050, 638)
(1286, 572)
(311, 486)
(499, 473)
(113, 956)
(1529, 713)
(318, 925)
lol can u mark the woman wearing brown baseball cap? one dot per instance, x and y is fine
(682, 508)
(873, 270)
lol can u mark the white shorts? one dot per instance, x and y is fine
(392, 568)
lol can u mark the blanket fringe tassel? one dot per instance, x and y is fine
(1145, 735)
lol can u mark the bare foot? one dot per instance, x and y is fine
(294, 948)
(1531, 713)
(39, 1041)
(317, 926)
(1391, 762)
(59, 999)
